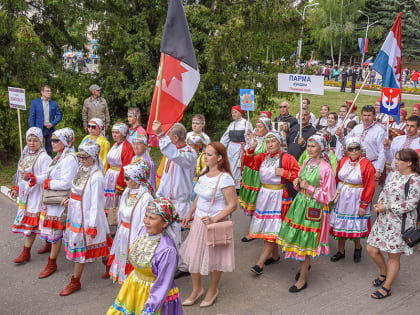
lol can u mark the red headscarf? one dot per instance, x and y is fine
(269, 114)
(238, 108)
(417, 105)
(349, 104)
(403, 112)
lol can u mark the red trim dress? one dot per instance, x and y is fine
(273, 200)
(356, 182)
(30, 192)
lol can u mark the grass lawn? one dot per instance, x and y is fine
(8, 169)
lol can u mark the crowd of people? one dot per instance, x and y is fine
(298, 187)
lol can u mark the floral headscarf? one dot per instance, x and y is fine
(194, 139)
(35, 132)
(120, 127)
(323, 143)
(275, 134)
(164, 208)
(266, 122)
(140, 138)
(100, 124)
(139, 171)
(66, 136)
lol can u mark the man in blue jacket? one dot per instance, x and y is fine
(44, 113)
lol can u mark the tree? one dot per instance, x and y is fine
(333, 24)
(32, 37)
(230, 41)
(385, 12)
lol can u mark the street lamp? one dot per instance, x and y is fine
(301, 31)
(366, 35)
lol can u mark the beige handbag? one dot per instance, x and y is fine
(54, 197)
(219, 233)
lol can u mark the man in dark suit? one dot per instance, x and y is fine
(45, 114)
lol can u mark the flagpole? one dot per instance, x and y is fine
(300, 115)
(354, 101)
(160, 86)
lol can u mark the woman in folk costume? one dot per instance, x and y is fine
(96, 134)
(236, 141)
(197, 126)
(150, 288)
(120, 155)
(33, 163)
(59, 177)
(131, 212)
(139, 143)
(87, 236)
(274, 168)
(329, 154)
(304, 230)
(350, 218)
(250, 183)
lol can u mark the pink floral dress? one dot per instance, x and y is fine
(386, 232)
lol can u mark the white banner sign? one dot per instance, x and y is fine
(17, 98)
(301, 83)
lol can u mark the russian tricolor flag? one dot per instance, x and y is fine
(388, 64)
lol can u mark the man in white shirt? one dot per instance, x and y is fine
(372, 138)
(305, 105)
(177, 179)
(408, 141)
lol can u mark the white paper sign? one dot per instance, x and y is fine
(301, 83)
(17, 98)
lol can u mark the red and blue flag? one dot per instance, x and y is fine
(388, 64)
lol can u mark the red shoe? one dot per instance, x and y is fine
(106, 274)
(25, 255)
(49, 269)
(73, 286)
(45, 249)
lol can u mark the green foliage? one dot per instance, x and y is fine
(32, 39)
(385, 12)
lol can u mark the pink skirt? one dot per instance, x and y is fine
(201, 258)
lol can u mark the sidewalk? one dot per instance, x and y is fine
(373, 93)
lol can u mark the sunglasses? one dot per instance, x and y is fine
(92, 126)
(283, 106)
(353, 149)
(55, 140)
(127, 178)
(83, 157)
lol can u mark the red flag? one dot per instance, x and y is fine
(180, 71)
(365, 46)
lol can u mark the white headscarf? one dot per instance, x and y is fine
(33, 132)
(120, 127)
(100, 124)
(93, 150)
(66, 136)
(140, 138)
(353, 141)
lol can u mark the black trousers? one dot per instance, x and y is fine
(343, 85)
(47, 133)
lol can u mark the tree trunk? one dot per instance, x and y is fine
(332, 53)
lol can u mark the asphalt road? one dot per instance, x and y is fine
(333, 288)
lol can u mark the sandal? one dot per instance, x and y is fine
(378, 282)
(271, 260)
(377, 295)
